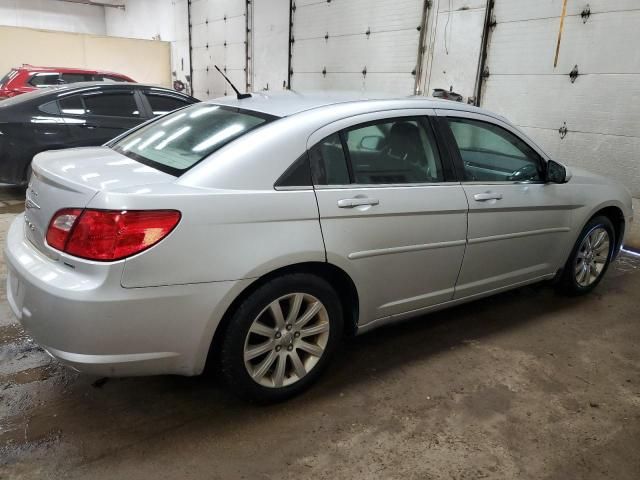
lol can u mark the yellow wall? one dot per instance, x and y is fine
(146, 61)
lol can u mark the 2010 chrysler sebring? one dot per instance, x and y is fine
(259, 231)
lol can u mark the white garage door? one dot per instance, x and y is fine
(364, 45)
(218, 37)
(601, 109)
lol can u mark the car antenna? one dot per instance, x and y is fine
(238, 94)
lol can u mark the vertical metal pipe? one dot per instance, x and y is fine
(190, 48)
(421, 47)
(290, 38)
(484, 46)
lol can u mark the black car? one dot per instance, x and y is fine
(77, 115)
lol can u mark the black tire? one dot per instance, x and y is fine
(232, 346)
(568, 283)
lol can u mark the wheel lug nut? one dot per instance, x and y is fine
(289, 327)
(297, 334)
(278, 347)
(278, 334)
(290, 347)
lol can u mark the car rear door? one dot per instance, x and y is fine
(519, 225)
(97, 115)
(392, 215)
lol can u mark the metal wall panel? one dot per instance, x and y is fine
(218, 37)
(366, 45)
(600, 109)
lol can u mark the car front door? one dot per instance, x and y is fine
(392, 215)
(518, 224)
(96, 116)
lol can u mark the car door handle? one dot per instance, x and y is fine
(357, 202)
(90, 126)
(483, 197)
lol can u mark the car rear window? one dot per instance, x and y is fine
(176, 142)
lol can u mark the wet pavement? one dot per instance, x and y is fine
(527, 384)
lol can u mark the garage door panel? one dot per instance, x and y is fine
(376, 82)
(461, 5)
(199, 11)
(613, 156)
(549, 100)
(210, 31)
(517, 10)
(382, 52)
(225, 8)
(456, 65)
(390, 49)
(355, 17)
(514, 52)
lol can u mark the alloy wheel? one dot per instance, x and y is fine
(286, 340)
(592, 257)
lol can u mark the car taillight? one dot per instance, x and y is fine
(108, 235)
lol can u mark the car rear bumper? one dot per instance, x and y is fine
(88, 321)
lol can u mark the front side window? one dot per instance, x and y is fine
(491, 153)
(111, 104)
(176, 142)
(44, 79)
(393, 151)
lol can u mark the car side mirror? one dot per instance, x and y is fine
(556, 172)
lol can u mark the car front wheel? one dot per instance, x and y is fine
(281, 338)
(590, 257)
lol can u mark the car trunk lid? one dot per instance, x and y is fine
(71, 178)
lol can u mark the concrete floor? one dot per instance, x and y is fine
(527, 384)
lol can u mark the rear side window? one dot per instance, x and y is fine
(112, 105)
(328, 162)
(76, 77)
(178, 141)
(162, 104)
(394, 151)
(44, 79)
(72, 105)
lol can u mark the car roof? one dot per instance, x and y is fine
(35, 68)
(70, 88)
(287, 103)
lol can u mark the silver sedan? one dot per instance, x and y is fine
(254, 233)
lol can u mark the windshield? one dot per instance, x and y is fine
(176, 142)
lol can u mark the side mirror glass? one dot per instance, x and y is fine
(556, 172)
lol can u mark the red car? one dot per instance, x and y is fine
(28, 78)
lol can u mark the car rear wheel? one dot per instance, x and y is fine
(281, 337)
(589, 258)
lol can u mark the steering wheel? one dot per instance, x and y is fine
(524, 173)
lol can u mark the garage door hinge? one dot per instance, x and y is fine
(368, 32)
(364, 71)
(292, 40)
(485, 72)
(293, 7)
(586, 13)
(493, 22)
(324, 71)
(574, 74)
(428, 3)
(326, 36)
(563, 130)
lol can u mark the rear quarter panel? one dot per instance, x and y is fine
(223, 234)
